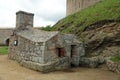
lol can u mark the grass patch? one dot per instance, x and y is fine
(47, 28)
(3, 50)
(78, 22)
(116, 58)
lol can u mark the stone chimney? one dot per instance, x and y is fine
(24, 20)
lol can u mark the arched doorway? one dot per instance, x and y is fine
(7, 42)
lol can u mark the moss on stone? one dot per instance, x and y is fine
(116, 58)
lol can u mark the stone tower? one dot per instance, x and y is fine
(76, 5)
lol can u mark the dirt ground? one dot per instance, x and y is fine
(11, 70)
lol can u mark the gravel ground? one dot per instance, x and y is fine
(11, 70)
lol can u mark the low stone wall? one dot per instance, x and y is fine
(95, 61)
(58, 64)
(92, 62)
(112, 66)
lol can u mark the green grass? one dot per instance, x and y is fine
(116, 58)
(78, 22)
(47, 28)
(3, 50)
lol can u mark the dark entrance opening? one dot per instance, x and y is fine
(60, 52)
(7, 42)
(72, 50)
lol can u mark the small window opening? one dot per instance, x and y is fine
(15, 42)
(60, 52)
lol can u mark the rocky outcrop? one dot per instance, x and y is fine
(103, 40)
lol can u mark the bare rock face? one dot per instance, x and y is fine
(102, 39)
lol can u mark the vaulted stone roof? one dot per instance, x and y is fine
(37, 35)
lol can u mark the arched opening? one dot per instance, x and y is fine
(7, 41)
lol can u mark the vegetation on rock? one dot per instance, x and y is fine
(105, 10)
(47, 28)
(116, 58)
(97, 25)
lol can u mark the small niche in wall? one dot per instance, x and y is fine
(15, 42)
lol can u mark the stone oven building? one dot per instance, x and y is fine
(41, 50)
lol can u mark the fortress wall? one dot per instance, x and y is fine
(89, 2)
(76, 5)
(4, 35)
(70, 6)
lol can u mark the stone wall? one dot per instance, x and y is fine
(26, 50)
(112, 66)
(76, 5)
(4, 35)
(38, 56)
(75, 48)
(92, 62)
(23, 20)
(51, 48)
(58, 64)
(77, 54)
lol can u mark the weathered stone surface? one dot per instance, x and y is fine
(29, 53)
(58, 64)
(4, 35)
(76, 5)
(112, 66)
(75, 48)
(102, 39)
(23, 20)
(92, 62)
